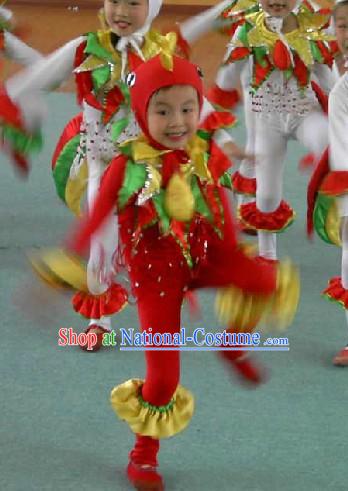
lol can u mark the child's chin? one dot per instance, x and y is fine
(280, 14)
(175, 145)
(122, 32)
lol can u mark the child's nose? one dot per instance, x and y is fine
(177, 119)
(122, 9)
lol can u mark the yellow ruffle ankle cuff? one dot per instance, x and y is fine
(245, 311)
(148, 420)
(239, 309)
(284, 302)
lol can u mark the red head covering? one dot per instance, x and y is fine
(152, 76)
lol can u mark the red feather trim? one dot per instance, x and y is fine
(71, 129)
(96, 306)
(227, 99)
(244, 185)
(275, 221)
(336, 292)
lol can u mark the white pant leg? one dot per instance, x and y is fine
(344, 263)
(270, 150)
(104, 242)
(313, 133)
(247, 168)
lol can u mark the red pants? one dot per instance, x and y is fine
(161, 276)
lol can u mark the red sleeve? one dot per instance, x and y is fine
(103, 206)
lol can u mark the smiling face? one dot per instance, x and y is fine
(173, 116)
(124, 17)
(341, 27)
(278, 8)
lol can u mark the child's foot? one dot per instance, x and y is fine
(249, 371)
(144, 477)
(99, 331)
(244, 367)
(341, 358)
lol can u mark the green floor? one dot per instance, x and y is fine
(57, 429)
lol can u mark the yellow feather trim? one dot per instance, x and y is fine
(244, 311)
(309, 29)
(333, 225)
(285, 300)
(179, 201)
(75, 189)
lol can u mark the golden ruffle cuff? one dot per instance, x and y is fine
(245, 311)
(60, 269)
(148, 420)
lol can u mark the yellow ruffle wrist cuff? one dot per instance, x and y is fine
(60, 269)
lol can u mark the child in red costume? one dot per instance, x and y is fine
(177, 234)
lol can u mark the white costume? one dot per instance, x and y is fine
(282, 111)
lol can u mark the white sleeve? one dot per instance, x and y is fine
(6, 14)
(338, 135)
(194, 27)
(335, 71)
(229, 75)
(47, 73)
(325, 76)
(26, 88)
(338, 125)
(18, 51)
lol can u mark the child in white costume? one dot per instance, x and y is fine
(285, 52)
(101, 62)
(244, 181)
(329, 184)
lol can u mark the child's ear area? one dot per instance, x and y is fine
(200, 72)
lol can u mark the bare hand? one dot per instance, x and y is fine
(233, 151)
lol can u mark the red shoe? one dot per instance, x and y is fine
(246, 370)
(144, 477)
(99, 334)
(341, 359)
(249, 371)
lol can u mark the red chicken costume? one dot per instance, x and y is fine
(177, 234)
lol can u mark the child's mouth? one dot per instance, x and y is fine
(177, 136)
(277, 6)
(121, 24)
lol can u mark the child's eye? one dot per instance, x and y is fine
(162, 112)
(187, 110)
